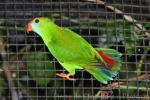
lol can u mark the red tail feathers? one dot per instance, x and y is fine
(110, 62)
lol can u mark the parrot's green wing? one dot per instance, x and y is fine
(71, 48)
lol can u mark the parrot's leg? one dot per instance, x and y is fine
(70, 68)
(67, 76)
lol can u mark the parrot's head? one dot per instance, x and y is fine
(38, 25)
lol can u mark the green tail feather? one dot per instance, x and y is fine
(107, 73)
(100, 75)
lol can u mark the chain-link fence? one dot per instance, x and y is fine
(28, 70)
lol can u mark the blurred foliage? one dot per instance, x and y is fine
(147, 25)
(113, 32)
(1, 85)
(39, 67)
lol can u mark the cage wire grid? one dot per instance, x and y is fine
(28, 70)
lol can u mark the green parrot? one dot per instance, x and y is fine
(73, 52)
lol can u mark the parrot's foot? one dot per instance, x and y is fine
(67, 76)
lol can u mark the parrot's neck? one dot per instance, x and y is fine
(50, 32)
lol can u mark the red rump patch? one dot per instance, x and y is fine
(110, 62)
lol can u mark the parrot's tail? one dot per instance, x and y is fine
(110, 57)
(112, 60)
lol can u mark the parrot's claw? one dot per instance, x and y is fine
(67, 76)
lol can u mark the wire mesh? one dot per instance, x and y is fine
(28, 69)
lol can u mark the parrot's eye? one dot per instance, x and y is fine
(36, 21)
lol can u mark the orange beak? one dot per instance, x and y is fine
(29, 27)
